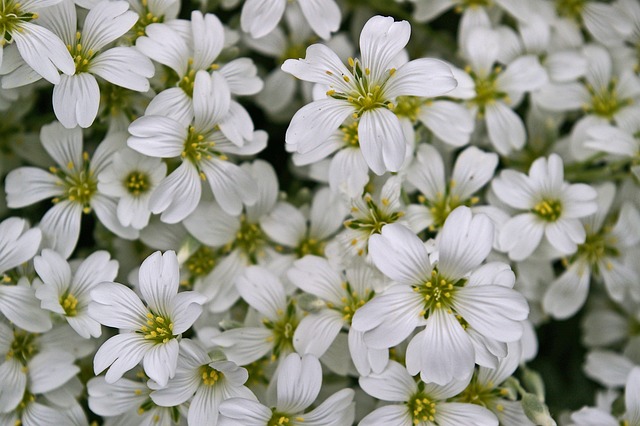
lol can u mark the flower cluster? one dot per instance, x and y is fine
(451, 196)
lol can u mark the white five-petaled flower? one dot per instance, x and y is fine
(422, 404)
(131, 178)
(343, 295)
(209, 382)
(439, 196)
(202, 147)
(547, 206)
(367, 91)
(188, 50)
(76, 98)
(39, 47)
(72, 184)
(30, 366)
(469, 311)
(496, 90)
(147, 332)
(600, 256)
(66, 292)
(591, 416)
(127, 402)
(264, 292)
(298, 384)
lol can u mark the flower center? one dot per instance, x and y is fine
(310, 246)
(409, 107)
(353, 301)
(210, 376)
(596, 248)
(70, 304)
(80, 183)
(10, 19)
(282, 330)
(570, 8)
(365, 93)
(373, 218)
(437, 292)
(548, 210)
(80, 57)
(23, 347)
(198, 146)
(350, 134)
(486, 91)
(158, 328)
(195, 146)
(486, 396)
(606, 102)
(187, 82)
(441, 207)
(249, 239)
(201, 262)
(146, 17)
(279, 419)
(137, 183)
(421, 408)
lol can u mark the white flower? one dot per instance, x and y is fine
(472, 170)
(598, 257)
(367, 92)
(287, 225)
(260, 17)
(151, 12)
(202, 149)
(30, 367)
(423, 404)
(499, 90)
(18, 244)
(209, 382)
(188, 50)
(149, 333)
(76, 98)
(368, 216)
(298, 384)
(127, 402)
(588, 416)
(39, 47)
(264, 292)
(67, 293)
(486, 389)
(461, 303)
(607, 95)
(606, 23)
(548, 206)
(73, 185)
(131, 178)
(343, 295)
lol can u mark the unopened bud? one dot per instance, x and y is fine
(536, 410)
(228, 324)
(532, 381)
(310, 303)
